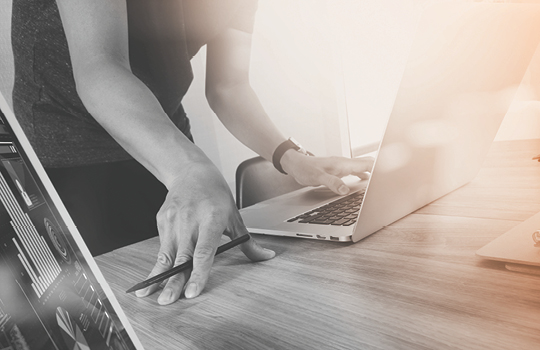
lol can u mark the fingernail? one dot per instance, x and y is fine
(191, 290)
(165, 296)
(142, 292)
(343, 189)
(269, 251)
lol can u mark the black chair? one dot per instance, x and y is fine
(258, 180)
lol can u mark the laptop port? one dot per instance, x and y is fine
(303, 235)
(334, 238)
(321, 237)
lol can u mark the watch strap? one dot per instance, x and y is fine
(284, 147)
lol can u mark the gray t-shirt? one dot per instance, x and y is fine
(163, 37)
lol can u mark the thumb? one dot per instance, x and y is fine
(251, 248)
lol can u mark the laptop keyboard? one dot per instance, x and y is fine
(341, 212)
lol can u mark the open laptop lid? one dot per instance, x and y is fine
(52, 293)
(464, 67)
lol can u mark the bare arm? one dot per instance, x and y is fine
(230, 95)
(98, 42)
(199, 207)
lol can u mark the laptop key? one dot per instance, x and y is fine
(321, 222)
(340, 222)
(307, 220)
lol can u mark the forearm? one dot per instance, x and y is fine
(132, 115)
(240, 110)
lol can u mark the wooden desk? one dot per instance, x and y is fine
(416, 284)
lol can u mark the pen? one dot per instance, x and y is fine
(177, 269)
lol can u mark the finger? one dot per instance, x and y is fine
(363, 165)
(183, 245)
(164, 262)
(175, 284)
(346, 166)
(251, 248)
(167, 227)
(255, 252)
(203, 258)
(334, 183)
(364, 176)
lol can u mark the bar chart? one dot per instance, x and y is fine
(34, 253)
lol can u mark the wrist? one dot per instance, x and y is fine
(199, 173)
(186, 163)
(288, 146)
(290, 158)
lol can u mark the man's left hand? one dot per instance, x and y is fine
(327, 171)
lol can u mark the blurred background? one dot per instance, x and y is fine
(326, 71)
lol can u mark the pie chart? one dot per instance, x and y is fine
(71, 333)
(58, 240)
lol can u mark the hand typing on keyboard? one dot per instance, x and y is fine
(327, 171)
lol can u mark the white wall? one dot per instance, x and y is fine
(376, 38)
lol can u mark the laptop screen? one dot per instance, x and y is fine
(49, 296)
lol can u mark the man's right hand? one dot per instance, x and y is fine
(199, 208)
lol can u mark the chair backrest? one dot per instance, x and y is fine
(258, 180)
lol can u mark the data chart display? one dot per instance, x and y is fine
(49, 297)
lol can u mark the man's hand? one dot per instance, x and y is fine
(197, 211)
(327, 171)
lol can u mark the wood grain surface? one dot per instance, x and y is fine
(416, 284)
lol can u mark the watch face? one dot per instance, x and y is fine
(296, 143)
(299, 147)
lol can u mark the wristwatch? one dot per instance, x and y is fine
(284, 147)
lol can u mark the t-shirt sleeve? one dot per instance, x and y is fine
(244, 17)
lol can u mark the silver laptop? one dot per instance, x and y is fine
(52, 294)
(464, 67)
(520, 245)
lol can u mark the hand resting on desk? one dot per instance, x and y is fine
(199, 208)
